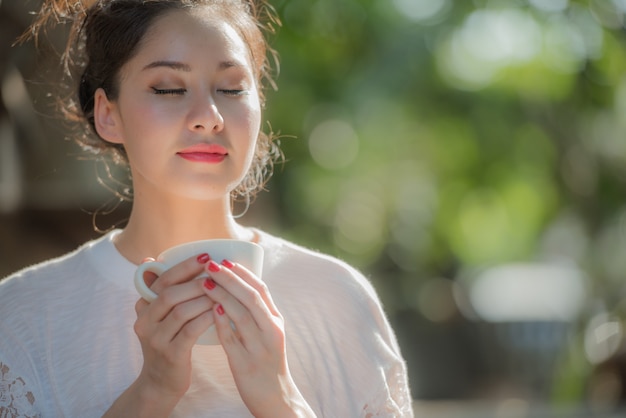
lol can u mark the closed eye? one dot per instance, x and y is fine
(172, 92)
(234, 92)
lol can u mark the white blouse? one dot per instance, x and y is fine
(67, 345)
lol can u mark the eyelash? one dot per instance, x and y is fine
(180, 92)
(234, 92)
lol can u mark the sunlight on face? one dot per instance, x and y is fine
(189, 87)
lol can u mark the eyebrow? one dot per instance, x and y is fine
(174, 65)
(224, 65)
(181, 66)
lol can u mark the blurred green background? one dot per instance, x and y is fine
(467, 156)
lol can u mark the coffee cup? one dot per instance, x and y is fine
(246, 253)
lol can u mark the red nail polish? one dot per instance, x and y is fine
(227, 264)
(220, 310)
(203, 258)
(210, 284)
(213, 266)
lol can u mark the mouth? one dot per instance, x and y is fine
(204, 153)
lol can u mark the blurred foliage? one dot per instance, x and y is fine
(436, 137)
(433, 135)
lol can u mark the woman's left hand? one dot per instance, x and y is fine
(251, 331)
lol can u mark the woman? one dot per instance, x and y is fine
(175, 89)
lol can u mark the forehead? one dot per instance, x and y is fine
(193, 35)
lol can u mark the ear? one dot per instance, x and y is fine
(106, 118)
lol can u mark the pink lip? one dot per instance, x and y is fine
(206, 153)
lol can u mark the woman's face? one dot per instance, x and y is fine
(188, 110)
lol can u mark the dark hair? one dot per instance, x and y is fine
(105, 35)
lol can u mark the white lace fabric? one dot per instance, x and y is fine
(15, 398)
(395, 401)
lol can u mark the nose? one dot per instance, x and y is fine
(205, 116)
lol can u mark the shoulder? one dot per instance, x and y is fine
(30, 274)
(43, 268)
(39, 282)
(289, 256)
(299, 268)
(30, 300)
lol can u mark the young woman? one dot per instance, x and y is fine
(174, 88)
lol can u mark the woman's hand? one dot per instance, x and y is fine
(169, 327)
(251, 331)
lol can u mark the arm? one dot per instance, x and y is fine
(391, 396)
(351, 344)
(139, 400)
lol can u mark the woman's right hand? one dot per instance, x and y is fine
(169, 327)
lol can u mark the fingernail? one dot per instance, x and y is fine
(210, 284)
(213, 266)
(145, 260)
(203, 258)
(227, 264)
(220, 310)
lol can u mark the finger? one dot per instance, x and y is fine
(181, 272)
(230, 338)
(149, 277)
(236, 286)
(184, 338)
(242, 323)
(186, 320)
(188, 335)
(150, 315)
(254, 281)
(170, 297)
(140, 305)
(244, 304)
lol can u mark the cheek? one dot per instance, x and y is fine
(253, 118)
(142, 120)
(255, 125)
(244, 122)
(144, 129)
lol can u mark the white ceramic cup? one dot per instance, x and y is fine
(248, 254)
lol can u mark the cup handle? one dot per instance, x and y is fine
(140, 284)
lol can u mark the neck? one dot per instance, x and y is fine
(153, 228)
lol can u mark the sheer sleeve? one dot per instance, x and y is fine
(16, 400)
(391, 396)
(395, 400)
(380, 367)
(343, 353)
